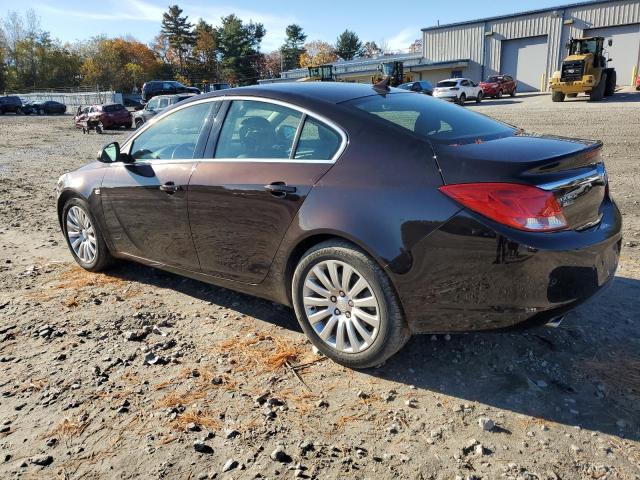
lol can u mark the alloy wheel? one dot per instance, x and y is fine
(341, 306)
(81, 234)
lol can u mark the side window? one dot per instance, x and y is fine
(152, 104)
(464, 83)
(167, 86)
(173, 137)
(255, 129)
(317, 142)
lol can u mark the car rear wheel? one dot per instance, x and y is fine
(499, 94)
(479, 97)
(41, 111)
(84, 238)
(346, 305)
(513, 92)
(462, 99)
(138, 123)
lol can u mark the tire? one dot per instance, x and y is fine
(138, 123)
(513, 92)
(612, 79)
(386, 339)
(572, 95)
(479, 97)
(557, 96)
(597, 93)
(41, 112)
(462, 99)
(499, 96)
(101, 258)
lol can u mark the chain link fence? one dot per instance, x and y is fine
(71, 97)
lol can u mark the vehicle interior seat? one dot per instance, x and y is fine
(258, 138)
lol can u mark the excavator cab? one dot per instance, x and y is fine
(320, 73)
(392, 73)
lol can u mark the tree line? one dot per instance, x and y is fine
(193, 53)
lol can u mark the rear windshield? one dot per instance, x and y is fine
(433, 119)
(447, 83)
(112, 108)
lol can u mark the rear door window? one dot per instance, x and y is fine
(254, 129)
(317, 141)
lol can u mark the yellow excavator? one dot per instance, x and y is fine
(584, 70)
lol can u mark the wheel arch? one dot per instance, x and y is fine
(315, 238)
(64, 197)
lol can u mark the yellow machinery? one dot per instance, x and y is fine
(392, 73)
(321, 73)
(584, 70)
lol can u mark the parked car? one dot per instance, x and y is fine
(498, 85)
(458, 90)
(132, 103)
(162, 87)
(10, 104)
(638, 83)
(450, 222)
(194, 90)
(212, 87)
(421, 86)
(157, 105)
(111, 115)
(47, 107)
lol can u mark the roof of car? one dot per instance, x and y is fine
(329, 92)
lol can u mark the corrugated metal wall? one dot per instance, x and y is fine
(469, 40)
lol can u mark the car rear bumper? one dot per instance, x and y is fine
(472, 274)
(446, 96)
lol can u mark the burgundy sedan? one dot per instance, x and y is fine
(498, 85)
(374, 213)
(111, 115)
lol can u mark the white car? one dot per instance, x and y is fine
(458, 90)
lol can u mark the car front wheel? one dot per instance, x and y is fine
(83, 236)
(346, 305)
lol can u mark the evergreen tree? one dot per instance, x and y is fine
(239, 48)
(348, 45)
(292, 48)
(178, 31)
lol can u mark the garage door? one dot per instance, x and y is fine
(625, 49)
(526, 60)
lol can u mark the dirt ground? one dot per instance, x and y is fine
(138, 373)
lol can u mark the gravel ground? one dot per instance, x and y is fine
(138, 373)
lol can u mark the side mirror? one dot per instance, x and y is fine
(609, 59)
(610, 42)
(110, 153)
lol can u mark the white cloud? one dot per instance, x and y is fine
(131, 10)
(403, 39)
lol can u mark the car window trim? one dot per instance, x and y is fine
(305, 113)
(222, 99)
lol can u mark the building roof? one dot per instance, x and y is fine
(517, 14)
(357, 64)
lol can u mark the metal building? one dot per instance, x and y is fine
(531, 45)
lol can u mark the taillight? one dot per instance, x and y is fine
(519, 206)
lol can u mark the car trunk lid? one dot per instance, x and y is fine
(572, 169)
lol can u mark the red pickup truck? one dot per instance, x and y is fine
(498, 85)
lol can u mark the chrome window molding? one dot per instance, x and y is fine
(343, 144)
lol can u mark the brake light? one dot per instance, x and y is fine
(523, 207)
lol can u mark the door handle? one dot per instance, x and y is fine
(279, 189)
(170, 188)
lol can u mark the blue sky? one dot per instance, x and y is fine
(398, 24)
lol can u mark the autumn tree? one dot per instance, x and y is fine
(272, 65)
(317, 53)
(119, 63)
(178, 32)
(292, 48)
(203, 64)
(239, 47)
(370, 50)
(348, 45)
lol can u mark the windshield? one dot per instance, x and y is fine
(406, 86)
(112, 108)
(494, 79)
(447, 83)
(581, 47)
(433, 119)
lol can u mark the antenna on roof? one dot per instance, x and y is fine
(438, 22)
